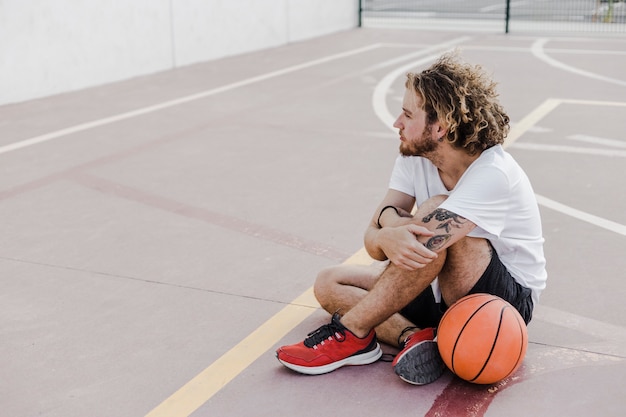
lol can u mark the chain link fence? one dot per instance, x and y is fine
(498, 15)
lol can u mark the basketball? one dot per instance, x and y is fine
(482, 338)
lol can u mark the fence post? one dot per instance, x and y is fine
(508, 16)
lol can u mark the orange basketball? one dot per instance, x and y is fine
(482, 338)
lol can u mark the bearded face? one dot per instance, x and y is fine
(423, 145)
(416, 134)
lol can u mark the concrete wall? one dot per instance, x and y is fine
(54, 46)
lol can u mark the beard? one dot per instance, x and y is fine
(424, 146)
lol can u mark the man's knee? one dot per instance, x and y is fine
(333, 282)
(466, 262)
(326, 276)
(326, 279)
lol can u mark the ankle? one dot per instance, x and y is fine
(405, 334)
(354, 328)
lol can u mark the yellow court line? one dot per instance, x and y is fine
(208, 382)
(546, 107)
(531, 119)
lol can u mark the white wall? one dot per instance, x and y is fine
(53, 46)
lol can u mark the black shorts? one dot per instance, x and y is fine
(424, 311)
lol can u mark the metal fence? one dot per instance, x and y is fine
(498, 15)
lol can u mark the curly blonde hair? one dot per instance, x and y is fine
(464, 100)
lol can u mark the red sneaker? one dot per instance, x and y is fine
(328, 348)
(419, 362)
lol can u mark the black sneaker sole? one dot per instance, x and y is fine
(420, 365)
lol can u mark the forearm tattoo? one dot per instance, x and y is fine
(437, 241)
(448, 221)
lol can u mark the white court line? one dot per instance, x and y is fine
(583, 324)
(501, 6)
(421, 52)
(379, 102)
(517, 49)
(569, 149)
(394, 61)
(594, 102)
(584, 51)
(599, 141)
(539, 52)
(581, 215)
(611, 338)
(182, 100)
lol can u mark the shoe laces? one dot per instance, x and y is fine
(333, 330)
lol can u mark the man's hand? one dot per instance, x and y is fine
(402, 248)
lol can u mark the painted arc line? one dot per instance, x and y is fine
(538, 51)
(207, 383)
(421, 52)
(384, 86)
(182, 100)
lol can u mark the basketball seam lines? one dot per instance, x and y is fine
(521, 348)
(493, 345)
(461, 333)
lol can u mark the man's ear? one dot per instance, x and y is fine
(440, 130)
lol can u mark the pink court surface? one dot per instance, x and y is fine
(160, 236)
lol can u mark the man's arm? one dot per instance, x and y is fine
(413, 241)
(447, 227)
(391, 233)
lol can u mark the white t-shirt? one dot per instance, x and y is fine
(495, 194)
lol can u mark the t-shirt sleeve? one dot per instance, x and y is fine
(402, 176)
(482, 197)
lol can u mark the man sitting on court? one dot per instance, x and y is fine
(476, 229)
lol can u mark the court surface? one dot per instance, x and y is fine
(160, 236)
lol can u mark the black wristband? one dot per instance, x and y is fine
(381, 213)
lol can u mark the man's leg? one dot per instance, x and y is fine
(339, 344)
(373, 300)
(466, 262)
(374, 303)
(419, 361)
(340, 288)
(368, 303)
(371, 297)
(385, 293)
